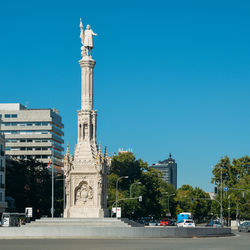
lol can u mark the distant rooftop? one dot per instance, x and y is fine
(19, 106)
(12, 106)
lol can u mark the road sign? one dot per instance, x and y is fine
(6, 222)
(119, 212)
(29, 211)
(226, 189)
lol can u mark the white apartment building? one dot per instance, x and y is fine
(32, 133)
(3, 204)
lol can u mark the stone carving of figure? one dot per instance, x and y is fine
(83, 193)
(86, 39)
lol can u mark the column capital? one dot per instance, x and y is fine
(87, 62)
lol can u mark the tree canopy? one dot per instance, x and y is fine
(28, 182)
(235, 176)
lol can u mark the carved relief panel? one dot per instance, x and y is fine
(83, 191)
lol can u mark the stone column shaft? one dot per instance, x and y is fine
(87, 66)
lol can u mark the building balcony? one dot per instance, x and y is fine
(57, 131)
(26, 128)
(28, 144)
(28, 152)
(58, 139)
(28, 136)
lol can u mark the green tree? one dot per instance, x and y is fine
(152, 187)
(193, 200)
(235, 175)
(29, 183)
(231, 171)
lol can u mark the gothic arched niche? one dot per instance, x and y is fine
(84, 131)
(83, 193)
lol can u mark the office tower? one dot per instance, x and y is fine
(32, 133)
(168, 168)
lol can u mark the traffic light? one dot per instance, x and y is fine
(215, 190)
(140, 198)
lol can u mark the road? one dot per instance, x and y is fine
(241, 241)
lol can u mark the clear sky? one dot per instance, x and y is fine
(171, 76)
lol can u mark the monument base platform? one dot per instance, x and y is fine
(76, 212)
(103, 228)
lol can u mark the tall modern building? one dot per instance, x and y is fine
(3, 204)
(168, 168)
(32, 133)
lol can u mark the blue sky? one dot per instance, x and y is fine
(171, 76)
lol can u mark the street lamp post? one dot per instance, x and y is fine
(221, 207)
(228, 222)
(168, 201)
(116, 191)
(130, 190)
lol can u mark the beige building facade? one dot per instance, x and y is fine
(32, 133)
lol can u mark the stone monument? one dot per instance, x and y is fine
(86, 171)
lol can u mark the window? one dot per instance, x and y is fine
(10, 115)
(15, 149)
(1, 196)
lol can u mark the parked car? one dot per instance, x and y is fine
(172, 223)
(153, 223)
(214, 223)
(245, 227)
(186, 223)
(164, 222)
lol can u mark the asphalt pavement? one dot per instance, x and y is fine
(239, 242)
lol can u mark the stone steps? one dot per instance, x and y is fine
(86, 222)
